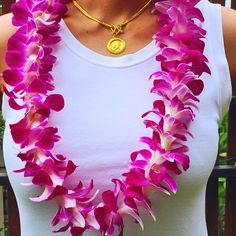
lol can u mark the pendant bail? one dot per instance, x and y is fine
(116, 30)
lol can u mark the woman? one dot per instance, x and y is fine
(104, 92)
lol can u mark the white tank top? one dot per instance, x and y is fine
(101, 123)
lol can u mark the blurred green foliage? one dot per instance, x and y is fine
(223, 139)
(221, 206)
(222, 181)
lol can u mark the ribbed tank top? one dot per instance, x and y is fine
(101, 123)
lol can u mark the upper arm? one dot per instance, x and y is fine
(229, 29)
(7, 29)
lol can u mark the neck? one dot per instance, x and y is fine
(112, 11)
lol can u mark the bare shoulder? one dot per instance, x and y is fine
(229, 29)
(7, 29)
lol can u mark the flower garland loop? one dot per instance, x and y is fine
(30, 60)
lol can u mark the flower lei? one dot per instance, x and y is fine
(30, 59)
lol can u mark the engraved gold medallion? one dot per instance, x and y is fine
(116, 45)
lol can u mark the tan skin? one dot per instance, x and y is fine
(94, 36)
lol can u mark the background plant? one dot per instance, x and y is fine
(222, 181)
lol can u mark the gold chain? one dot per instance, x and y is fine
(115, 45)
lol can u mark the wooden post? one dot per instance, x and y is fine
(222, 2)
(212, 206)
(233, 4)
(6, 5)
(230, 203)
(13, 214)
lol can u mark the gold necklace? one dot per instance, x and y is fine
(115, 45)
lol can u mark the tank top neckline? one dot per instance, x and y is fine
(143, 54)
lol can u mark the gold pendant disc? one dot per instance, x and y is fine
(116, 45)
